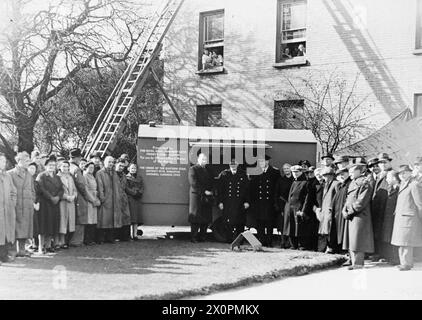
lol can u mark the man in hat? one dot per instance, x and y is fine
(96, 159)
(233, 197)
(123, 234)
(314, 201)
(358, 237)
(342, 162)
(305, 164)
(407, 230)
(200, 198)
(298, 217)
(373, 171)
(326, 212)
(77, 238)
(263, 197)
(327, 160)
(338, 223)
(379, 201)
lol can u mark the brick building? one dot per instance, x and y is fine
(256, 44)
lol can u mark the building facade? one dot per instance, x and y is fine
(256, 50)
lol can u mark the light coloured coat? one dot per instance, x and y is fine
(24, 184)
(407, 230)
(325, 216)
(8, 197)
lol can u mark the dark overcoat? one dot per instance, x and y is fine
(49, 213)
(390, 207)
(233, 192)
(282, 190)
(262, 193)
(297, 201)
(124, 201)
(359, 235)
(379, 201)
(200, 206)
(135, 190)
(337, 227)
(82, 198)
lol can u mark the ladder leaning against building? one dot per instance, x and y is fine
(110, 122)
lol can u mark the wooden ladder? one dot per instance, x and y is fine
(110, 122)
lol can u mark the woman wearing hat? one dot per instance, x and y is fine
(358, 237)
(407, 230)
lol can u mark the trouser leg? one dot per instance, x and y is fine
(322, 242)
(109, 235)
(203, 231)
(125, 233)
(78, 236)
(89, 236)
(194, 230)
(269, 236)
(293, 242)
(406, 256)
(357, 258)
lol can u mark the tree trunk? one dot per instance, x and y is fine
(26, 138)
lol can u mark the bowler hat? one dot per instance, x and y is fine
(360, 166)
(267, 157)
(304, 163)
(341, 159)
(404, 167)
(372, 162)
(418, 161)
(51, 158)
(383, 157)
(327, 155)
(124, 156)
(75, 153)
(296, 168)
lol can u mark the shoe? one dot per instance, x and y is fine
(405, 268)
(135, 238)
(302, 249)
(355, 267)
(347, 263)
(65, 246)
(329, 251)
(57, 247)
(75, 245)
(375, 258)
(50, 250)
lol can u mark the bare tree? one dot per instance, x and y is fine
(329, 106)
(44, 45)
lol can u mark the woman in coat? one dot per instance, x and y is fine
(358, 236)
(33, 169)
(134, 190)
(93, 203)
(388, 251)
(8, 196)
(24, 184)
(67, 206)
(407, 231)
(51, 191)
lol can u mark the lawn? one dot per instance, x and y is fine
(153, 268)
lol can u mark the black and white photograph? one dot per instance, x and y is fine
(210, 156)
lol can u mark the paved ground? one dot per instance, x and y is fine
(373, 282)
(153, 268)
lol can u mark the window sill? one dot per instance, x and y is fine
(294, 62)
(417, 52)
(217, 70)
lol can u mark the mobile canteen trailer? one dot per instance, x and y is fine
(165, 154)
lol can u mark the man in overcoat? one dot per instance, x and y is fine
(298, 222)
(123, 234)
(200, 198)
(109, 193)
(407, 230)
(233, 197)
(263, 199)
(358, 236)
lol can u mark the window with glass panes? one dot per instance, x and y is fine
(209, 116)
(288, 114)
(291, 29)
(211, 40)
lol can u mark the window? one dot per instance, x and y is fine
(211, 42)
(288, 114)
(291, 31)
(418, 45)
(209, 116)
(418, 105)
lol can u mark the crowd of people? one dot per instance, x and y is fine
(49, 203)
(363, 209)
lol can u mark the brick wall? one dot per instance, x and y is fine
(375, 38)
